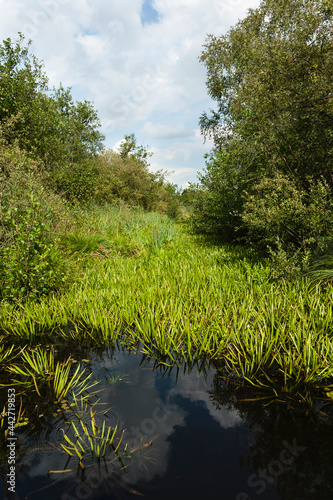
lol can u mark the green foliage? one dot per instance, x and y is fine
(279, 211)
(130, 149)
(270, 76)
(125, 176)
(321, 270)
(126, 179)
(76, 182)
(218, 198)
(22, 81)
(30, 264)
(48, 124)
(271, 79)
(30, 260)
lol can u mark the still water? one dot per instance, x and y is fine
(187, 433)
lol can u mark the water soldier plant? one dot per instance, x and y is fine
(37, 369)
(90, 438)
(179, 298)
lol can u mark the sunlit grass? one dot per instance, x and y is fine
(162, 289)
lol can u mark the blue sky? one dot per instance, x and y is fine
(149, 14)
(137, 60)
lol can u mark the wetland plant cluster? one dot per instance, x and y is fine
(145, 281)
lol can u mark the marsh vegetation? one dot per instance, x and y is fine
(233, 273)
(145, 280)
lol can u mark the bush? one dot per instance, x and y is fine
(76, 182)
(218, 199)
(30, 262)
(289, 221)
(128, 179)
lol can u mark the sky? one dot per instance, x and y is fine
(137, 61)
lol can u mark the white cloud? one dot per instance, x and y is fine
(143, 79)
(162, 131)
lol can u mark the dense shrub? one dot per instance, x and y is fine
(287, 219)
(217, 200)
(127, 177)
(30, 262)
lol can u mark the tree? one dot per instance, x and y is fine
(129, 149)
(218, 197)
(22, 79)
(271, 78)
(46, 123)
(125, 176)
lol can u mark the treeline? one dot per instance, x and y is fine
(268, 180)
(52, 160)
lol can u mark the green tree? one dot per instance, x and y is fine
(219, 197)
(22, 79)
(46, 123)
(126, 176)
(130, 149)
(271, 78)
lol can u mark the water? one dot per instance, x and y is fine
(190, 434)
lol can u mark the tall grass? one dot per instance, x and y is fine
(183, 300)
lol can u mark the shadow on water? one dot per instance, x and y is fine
(188, 433)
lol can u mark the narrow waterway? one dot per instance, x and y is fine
(187, 433)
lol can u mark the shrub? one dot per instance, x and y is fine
(127, 178)
(218, 199)
(30, 262)
(288, 220)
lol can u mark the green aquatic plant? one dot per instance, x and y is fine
(90, 438)
(38, 369)
(186, 301)
(114, 378)
(6, 354)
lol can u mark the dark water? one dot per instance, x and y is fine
(195, 435)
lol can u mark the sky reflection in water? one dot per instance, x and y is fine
(206, 441)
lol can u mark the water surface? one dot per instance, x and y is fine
(191, 434)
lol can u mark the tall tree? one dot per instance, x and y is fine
(271, 77)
